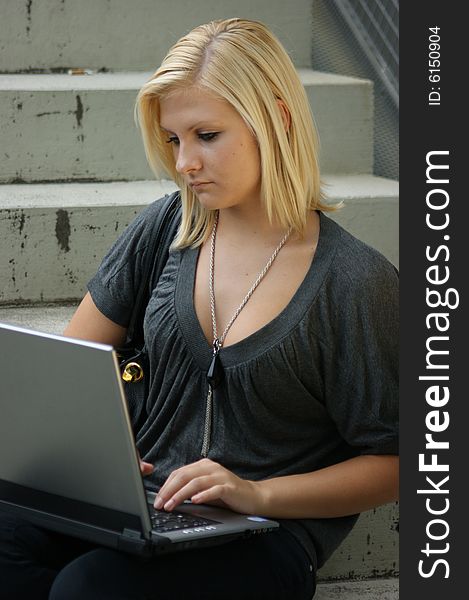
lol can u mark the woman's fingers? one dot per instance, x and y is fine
(183, 483)
(146, 468)
(208, 482)
(194, 486)
(213, 494)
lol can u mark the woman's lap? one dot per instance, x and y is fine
(30, 558)
(271, 566)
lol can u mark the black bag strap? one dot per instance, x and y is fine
(161, 233)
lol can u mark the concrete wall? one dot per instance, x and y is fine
(129, 35)
(64, 127)
(52, 237)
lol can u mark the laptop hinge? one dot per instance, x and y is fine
(132, 534)
(132, 541)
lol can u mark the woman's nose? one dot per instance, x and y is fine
(187, 159)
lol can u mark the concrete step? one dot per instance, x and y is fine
(52, 236)
(371, 549)
(66, 127)
(371, 589)
(122, 35)
(49, 318)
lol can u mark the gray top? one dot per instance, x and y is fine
(315, 386)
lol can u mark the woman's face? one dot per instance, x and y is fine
(214, 150)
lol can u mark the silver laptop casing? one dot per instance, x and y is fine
(67, 453)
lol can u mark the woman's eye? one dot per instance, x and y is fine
(208, 137)
(173, 140)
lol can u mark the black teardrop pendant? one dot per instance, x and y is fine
(215, 370)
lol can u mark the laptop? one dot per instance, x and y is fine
(68, 460)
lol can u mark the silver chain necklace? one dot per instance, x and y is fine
(214, 373)
(218, 341)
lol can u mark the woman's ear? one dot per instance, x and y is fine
(286, 116)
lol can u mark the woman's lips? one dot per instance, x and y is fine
(199, 185)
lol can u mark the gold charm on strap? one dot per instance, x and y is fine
(132, 372)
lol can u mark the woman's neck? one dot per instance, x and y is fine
(249, 222)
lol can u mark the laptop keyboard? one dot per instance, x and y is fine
(171, 521)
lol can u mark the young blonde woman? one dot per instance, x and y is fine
(300, 317)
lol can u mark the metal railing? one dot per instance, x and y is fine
(375, 25)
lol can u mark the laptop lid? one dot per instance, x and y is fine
(67, 453)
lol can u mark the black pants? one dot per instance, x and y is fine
(36, 564)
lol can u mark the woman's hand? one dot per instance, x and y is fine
(208, 482)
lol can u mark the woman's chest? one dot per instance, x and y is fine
(245, 290)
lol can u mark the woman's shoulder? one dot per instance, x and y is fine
(353, 258)
(150, 212)
(136, 236)
(355, 268)
(358, 293)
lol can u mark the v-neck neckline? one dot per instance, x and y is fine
(272, 332)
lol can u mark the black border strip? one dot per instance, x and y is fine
(432, 546)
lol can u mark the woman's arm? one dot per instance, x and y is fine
(346, 488)
(88, 323)
(350, 487)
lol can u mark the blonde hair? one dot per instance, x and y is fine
(242, 62)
